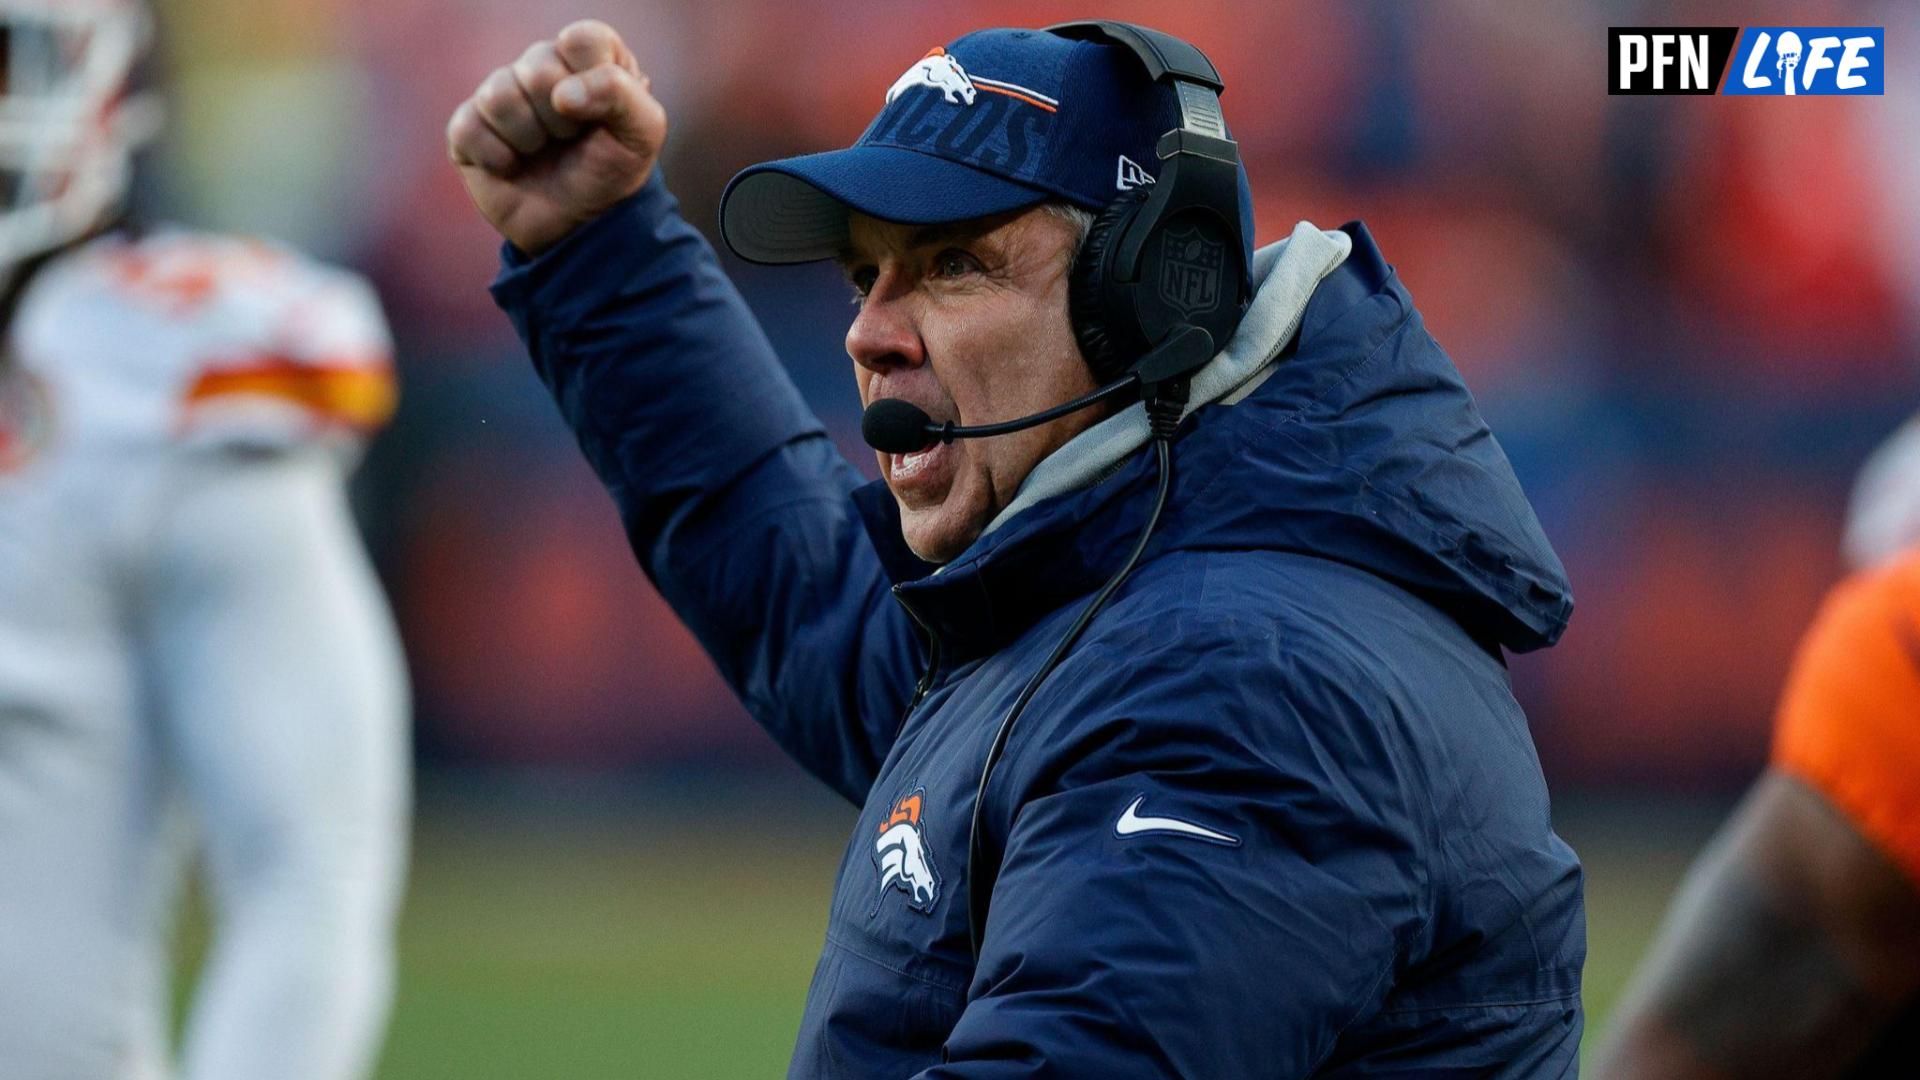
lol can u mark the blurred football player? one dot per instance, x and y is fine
(1793, 947)
(190, 632)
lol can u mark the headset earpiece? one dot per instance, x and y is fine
(1105, 342)
(1168, 258)
(1188, 273)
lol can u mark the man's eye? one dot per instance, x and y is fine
(954, 263)
(862, 281)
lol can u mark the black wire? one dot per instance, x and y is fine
(947, 432)
(976, 897)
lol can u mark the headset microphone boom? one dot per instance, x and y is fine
(897, 426)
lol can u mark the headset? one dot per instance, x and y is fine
(1185, 225)
(1159, 285)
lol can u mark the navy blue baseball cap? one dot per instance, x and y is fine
(995, 121)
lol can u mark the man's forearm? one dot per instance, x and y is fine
(1770, 962)
(1748, 987)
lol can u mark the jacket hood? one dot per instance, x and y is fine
(1351, 438)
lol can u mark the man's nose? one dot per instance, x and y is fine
(885, 335)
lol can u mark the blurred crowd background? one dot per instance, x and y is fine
(1688, 320)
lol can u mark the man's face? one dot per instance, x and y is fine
(968, 322)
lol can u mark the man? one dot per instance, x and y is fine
(1793, 946)
(190, 633)
(1275, 811)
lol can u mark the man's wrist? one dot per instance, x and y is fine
(652, 192)
(586, 261)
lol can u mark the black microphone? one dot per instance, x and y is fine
(896, 426)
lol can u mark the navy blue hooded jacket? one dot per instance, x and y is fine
(1277, 814)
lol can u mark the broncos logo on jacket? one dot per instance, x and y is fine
(901, 854)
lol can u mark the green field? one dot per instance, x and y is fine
(666, 939)
(580, 931)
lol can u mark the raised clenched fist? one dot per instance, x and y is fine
(552, 140)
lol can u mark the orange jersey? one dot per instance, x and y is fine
(1849, 720)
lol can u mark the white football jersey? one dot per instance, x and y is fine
(190, 634)
(180, 339)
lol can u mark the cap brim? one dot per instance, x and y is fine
(795, 210)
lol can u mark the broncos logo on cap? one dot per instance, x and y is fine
(902, 856)
(940, 71)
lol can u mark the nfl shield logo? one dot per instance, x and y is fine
(1190, 270)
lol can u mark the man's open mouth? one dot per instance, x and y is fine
(923, 473)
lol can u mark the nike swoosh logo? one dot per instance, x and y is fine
(1131, 824)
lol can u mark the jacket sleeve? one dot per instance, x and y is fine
(734, 500)
(1145, 949)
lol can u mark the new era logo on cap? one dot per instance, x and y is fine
(1129, 175)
